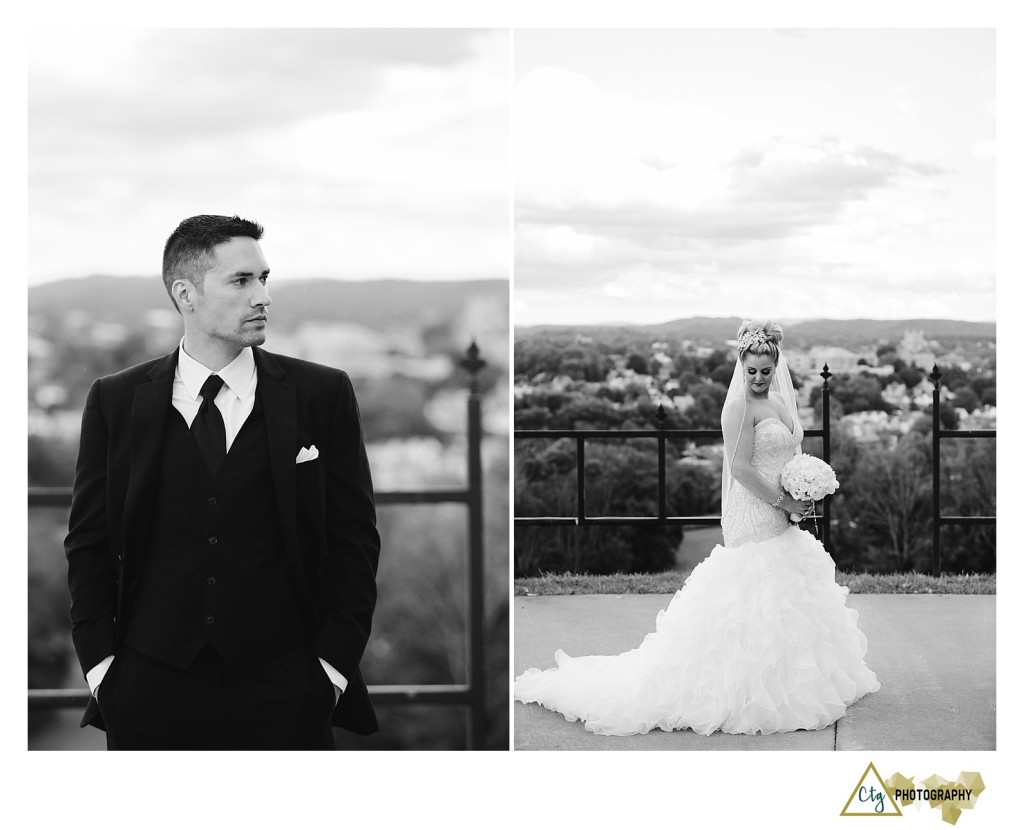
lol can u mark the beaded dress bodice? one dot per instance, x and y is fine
(748, 518)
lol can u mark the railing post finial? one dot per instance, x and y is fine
(661, 416)
(825, 374)
(935, 376)
(473, 363)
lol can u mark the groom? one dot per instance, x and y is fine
(222, 547)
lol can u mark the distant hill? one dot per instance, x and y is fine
(853, 332)
(375, 303)
(714, 331)
(701, 329)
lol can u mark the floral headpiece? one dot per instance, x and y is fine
(750, 339)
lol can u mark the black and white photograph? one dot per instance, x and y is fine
(268, 390)
(754, 390)
(467, 385)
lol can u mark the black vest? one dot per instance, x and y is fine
(215, 569)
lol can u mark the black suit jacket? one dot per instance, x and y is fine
(326, 508)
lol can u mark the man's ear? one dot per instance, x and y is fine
(184, 294)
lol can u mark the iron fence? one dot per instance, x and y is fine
(938, 433)
(472, 693)
(662, 435)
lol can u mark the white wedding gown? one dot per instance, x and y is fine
(758, 639)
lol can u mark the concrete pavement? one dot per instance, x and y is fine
(935, 656)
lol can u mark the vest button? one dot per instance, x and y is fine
(212, 500)
(211, 580)
(209, 620)
(212, 540)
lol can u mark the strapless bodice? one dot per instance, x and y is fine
(748, 518)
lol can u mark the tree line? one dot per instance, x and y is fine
(881, 515)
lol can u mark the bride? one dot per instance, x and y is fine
(759, 638)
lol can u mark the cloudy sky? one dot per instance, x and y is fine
(365, 153)
(786, 173)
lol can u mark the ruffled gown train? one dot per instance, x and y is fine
(758, 640)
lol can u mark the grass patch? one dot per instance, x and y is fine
(671, 581)
(916, 583)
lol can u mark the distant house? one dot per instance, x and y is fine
(955, 359)
(682, 402)
(981, 418)
(877, 428)
(839, 360)
(800, 361)
(914, 349)
(897, 395)
(666, 366)
(878, 371)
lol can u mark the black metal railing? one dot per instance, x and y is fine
(938, 433)
(472, 693)
(662, 436)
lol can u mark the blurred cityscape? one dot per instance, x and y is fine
(616, 377)
(401, 342)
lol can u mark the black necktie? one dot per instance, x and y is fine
(208, 425)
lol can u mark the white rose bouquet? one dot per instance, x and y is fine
(808, 478)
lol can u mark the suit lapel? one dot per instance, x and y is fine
(281, 420)
(149, 414)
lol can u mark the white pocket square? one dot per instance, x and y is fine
(307, 454)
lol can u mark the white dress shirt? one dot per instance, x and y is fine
(235, 400)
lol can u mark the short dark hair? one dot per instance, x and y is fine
(189, 249)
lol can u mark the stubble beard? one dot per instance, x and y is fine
(254, 338)
(242, 339)
(251, 334)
